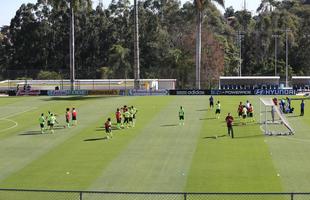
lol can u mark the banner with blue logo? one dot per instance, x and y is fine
(275, 92)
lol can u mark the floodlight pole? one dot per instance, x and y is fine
(239, 37)
(136, 47)
(286, 57)
(198, 48)
(72, 52)
(275, 36)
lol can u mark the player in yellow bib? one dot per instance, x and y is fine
(42, 123)
(181, 116)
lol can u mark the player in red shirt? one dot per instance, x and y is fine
(229, 120)
(118, 116)
(74, 117)
(240, 108)
(67, 116)
(275, 101)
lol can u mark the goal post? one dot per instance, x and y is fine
(272, 120)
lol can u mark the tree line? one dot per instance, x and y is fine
(36, 43)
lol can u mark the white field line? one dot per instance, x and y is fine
(296, 139)
(14, 114)
(15, 123)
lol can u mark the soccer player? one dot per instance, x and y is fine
(118, 116)
(250, 112)
(108, 128)
(74, 117)
(244, 113)
(275, 101)
(130, 117)
(49, 114)
(126, 118)
(67, 116)
(211, 102)
(302, 108)
(218, 110)
(134, 112)
(42, 123)
(181, 115)
(247, 105)
(229, 121)
(125, 108)
(52, 122)
(240, 108)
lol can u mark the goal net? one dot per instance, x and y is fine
(272, 120)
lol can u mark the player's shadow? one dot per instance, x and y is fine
(214, 137)
(95, 139)
(208, 118)
(291, 116)
(31, 133)
(202, 110)
(59, 127)
(103, 129)
(249, 136)
(168, 125)
(246, 123)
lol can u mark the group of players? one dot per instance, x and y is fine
(48, 122)
(246, 110)
(125, 118)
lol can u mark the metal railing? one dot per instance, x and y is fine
(22, 194)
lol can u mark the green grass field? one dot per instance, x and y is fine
(157, 155)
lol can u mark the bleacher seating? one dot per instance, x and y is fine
(249, 82)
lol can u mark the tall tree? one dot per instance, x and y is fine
(74, 6)
(200, 6)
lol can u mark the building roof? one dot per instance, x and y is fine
(249, 77)
(300, 77)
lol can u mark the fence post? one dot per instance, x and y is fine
(292, 196)
(185, 196)
(81, 195)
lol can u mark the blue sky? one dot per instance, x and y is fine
(9, 7)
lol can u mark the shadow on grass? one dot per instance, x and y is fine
(202, 110)
(59, 127)
(77, 98)
(214, 137)
(31, 133)
(113, 129)
(169, 125)
(246, 124)
(95, 139)
(291, 116)
(248, 136)
(208, 118)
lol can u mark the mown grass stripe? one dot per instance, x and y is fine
(20, 149)
(242, 164)
(158, 159)
(84, 160)
(291, 153)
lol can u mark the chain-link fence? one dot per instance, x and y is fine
(88, 84)
(16, 194)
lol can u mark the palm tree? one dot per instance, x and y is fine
(74, 6)
(200, 6)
